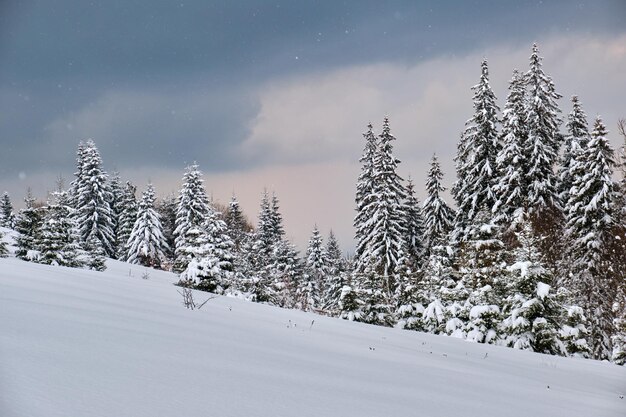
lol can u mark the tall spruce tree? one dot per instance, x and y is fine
(590, 220)
(414, 227)
(94, 216)
(146, 245)
(511, 185)
(192, 211)
(365, 196)
(127, 219)
(7, 217)
(166, 208)
(438, 216)
(476, 158)
(317, 269)
(117, 195)
(236, 222)
(58, 241)
(575, 142)
(544, 139)
(386, 245)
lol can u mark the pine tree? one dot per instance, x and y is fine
(4, 250)
(127, 219)
(7, 218)
(575, 142)
(590, 220)
(117, 195)
(167, 213)
(414, 226)
(475, 161)
(438, 216)
(95, 258)
(265, 235)
(28, 225)
(386, 246)
(365, 194)
(544, 139)
(147, 243)
(236, 222)
(94, 215)
(532, 311)
(335, 278)
(317, 269)
(58, 242)
(193, 208)
(511, 186)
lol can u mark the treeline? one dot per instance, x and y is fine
(533, 257)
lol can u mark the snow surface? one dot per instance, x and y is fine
(84, 343)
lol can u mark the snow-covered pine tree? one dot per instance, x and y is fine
(336, 277)
(210, 266)
(94, 216)
(265, 237)
(283, 275)
(166, 208)
(575, 142)
(317, 270)
(364, 197)
(476, 158)
(117, 195)
(192, 210)
(7, 217)
(127, 219)
(28, 226)
(482, 262)
(146, 245)
(414, 226)
(95, 258)
(58, 242)
(4, 250)
(276, 219)
(532, 311)
(590, 220)
(438, 216)
(236, 222)
(350, 303)
(510, 187)
(386, 246)
(619, 337)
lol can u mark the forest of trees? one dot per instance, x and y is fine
(532, 255)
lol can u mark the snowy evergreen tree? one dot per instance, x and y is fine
(532, 311)
(385, 244)
(236, 222)
(414, 226)
(575, 142)
(94, 258)
(335, 278)
(4, 250)
(146, 245)
(618, 339)
(438, 216)
(317, 269)
(167, 213)
(544, 139)
(94, 216)
(475, 160)
(117, 195)
(192, 211)
(511, 186)
(350, 304)
(276, 219)
(58, 241)
(266, 235)
(126, 220)
(7, 217)
(28, 225)
(590, 220)
(365, 195)
(284, 273)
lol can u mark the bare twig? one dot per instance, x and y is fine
(189, 302)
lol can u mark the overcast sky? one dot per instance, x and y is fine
(277, 94)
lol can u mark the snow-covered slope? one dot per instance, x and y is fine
(82, 343)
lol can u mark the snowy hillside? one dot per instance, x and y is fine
(83, 343)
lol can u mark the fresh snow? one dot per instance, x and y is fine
(83, 343)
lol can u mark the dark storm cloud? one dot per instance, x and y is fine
(162, 83)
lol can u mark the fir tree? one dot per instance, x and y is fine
(127, 219)
(510, 188)
(265, 235)
(414, 226)
(544, 139)
(317, 269)
(590, 219)
(438, 216)
(95, 257)
(336, 278)
(167, 212)
(28, 225)
(192, 210)
(575, 142)
(117, 195)
(365, 194)
(58, 242)
(532, 311)
(7, 218)
(385, 244)
(94, 215)
(475, 161)
(146, 245)
(236, 222)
